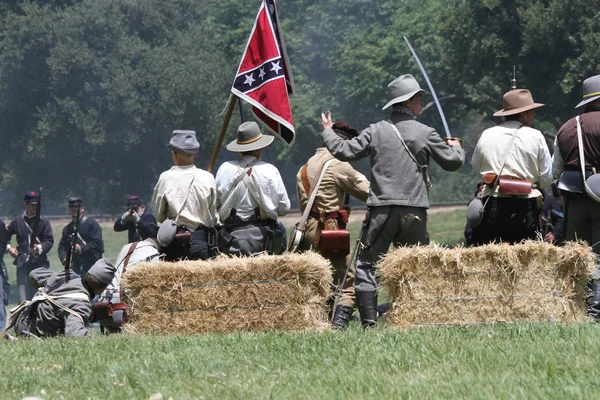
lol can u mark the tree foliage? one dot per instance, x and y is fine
(90, 90)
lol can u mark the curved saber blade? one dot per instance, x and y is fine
(435, 98)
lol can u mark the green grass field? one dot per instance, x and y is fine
(492, 362)
(520, 361)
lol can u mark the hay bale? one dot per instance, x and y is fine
(285, 292)
(531, 281)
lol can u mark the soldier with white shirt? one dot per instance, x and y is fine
(109, 309)
(517, 161)
(251, 195)
(184, 202)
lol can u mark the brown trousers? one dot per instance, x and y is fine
(339, 264)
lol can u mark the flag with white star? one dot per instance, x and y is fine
(263, 78)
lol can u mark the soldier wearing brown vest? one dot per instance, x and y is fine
(582, 213)
(340, 178)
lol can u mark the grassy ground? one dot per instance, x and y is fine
(504, 361)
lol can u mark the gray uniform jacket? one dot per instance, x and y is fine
(395, 177)
(45, 318)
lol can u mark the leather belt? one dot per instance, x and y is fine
(329, 215)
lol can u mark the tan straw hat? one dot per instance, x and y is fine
(515, 102)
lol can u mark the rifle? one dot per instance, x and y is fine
(36, 227)
(72, 243)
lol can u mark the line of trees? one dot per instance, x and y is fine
(90, 90)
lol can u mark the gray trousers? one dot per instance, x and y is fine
(397, 225)
(582, 221)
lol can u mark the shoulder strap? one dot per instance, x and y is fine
(186, 197)
(497, 181)
(508, 152)
(581, 152)
(313, 195)
(130, 251)
(237, 181)
(404, 144)
(304, 178)
(422, 168)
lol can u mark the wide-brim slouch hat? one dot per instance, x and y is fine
(249, 138)
(184, 142)
(401, 89)
(591, 90)
(515, 102)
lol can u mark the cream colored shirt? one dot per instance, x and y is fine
(145, 251)
(267, 179)
(172, 189)
(339, 178)
(529, 157)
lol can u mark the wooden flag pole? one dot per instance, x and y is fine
(230, 107)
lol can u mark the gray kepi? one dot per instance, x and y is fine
(591, 90)
(401, 89)
(103, 270)
(249, 138)
(184, 142)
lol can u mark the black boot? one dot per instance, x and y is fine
(367, 307)
(341, 317)
(593, 301)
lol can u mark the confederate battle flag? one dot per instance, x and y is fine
(264, 78)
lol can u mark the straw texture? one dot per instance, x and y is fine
(229, 293)
(531, 281)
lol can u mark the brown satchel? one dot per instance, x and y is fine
(507, 185)
(329, 242)
(333, 242)
(105, 309)
(514, 186)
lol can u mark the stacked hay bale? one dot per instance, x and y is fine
(532, 281)
(226, 294)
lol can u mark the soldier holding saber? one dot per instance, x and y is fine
(400, 150)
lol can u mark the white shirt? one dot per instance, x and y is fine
(529, 157)
(171, 192)
(145, 251)
(268, 180)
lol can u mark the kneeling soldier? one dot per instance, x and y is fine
(184, 202)
(251, 196)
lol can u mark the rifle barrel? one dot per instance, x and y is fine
(36, 222)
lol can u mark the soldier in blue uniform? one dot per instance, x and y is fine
(28, 258)
(137, 221)
(89, 244)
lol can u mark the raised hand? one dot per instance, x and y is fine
(326, 120)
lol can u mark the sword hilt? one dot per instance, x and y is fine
(446, 139)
